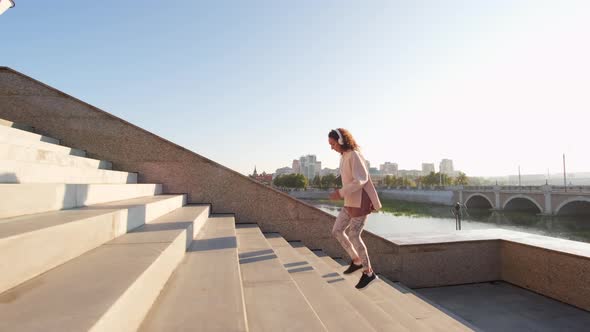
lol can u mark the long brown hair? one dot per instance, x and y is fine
(349, 142)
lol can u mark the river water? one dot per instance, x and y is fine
(400, 217)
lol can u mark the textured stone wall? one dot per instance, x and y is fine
(564, 277)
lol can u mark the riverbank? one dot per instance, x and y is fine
(439, 197)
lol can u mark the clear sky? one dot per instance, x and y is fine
(489, 84)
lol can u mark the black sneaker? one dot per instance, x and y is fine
(365, 280)
(353, 267)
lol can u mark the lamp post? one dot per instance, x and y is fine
(5, 5)
(564, 176)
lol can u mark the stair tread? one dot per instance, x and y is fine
(23, 224)
(9, 132)
(75, 295)
(33, 172)
(273, 301)
(388, 296)
(375, 315)
(26, 153)
(324, 299)
(31, 198)
(6, 137)
(204, 293)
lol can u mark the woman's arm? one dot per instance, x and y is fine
(360, 175)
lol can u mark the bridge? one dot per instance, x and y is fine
(546, 200)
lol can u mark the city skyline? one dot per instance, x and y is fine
(391, 168)
(490, 85)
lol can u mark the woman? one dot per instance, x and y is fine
(360, 199)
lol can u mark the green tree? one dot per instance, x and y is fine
(431, 179)
(462, 179)
(291, 181)
(299, 181)
(388, 180)
(278, 181)
(317, 182)
(328, 181)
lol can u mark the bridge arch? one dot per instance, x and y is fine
(478, 201)
(573, 200)
(512, 198)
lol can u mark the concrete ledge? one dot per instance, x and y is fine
(553, 267)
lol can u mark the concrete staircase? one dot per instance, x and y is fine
(86, 248)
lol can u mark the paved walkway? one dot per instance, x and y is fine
(500, 306)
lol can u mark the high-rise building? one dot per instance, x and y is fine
(296, 166)
(446, 166)
(388, 168)
(427, 168)
(309, 166)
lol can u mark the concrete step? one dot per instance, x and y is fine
(110, 288)
(31, 245)
(34, 154)
(324, 299)
(389, 297)
(7, 123)
(12, 171)
(14, 136)
(395, 309)
(374, 314)
(273, 301)
(11, 132)
(205, 292)
(32, 198)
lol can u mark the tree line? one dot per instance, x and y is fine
(298, 181)
(432, 179)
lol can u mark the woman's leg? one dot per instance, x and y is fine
(339, 232)
(354, 236)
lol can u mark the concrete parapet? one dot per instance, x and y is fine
(562, 276)
(444, 197)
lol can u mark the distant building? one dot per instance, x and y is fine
(327, 171)
(427, 168)
(410, 173)
(309, 166)
(282, 171)
(296, 166)
(262, 178)
(446, 167)
(388, 168)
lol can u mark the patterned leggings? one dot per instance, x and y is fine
(353, 244)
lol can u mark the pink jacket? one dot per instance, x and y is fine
(355, 177)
